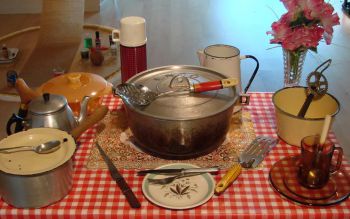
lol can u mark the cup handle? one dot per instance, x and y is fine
(254, 72)
(116, 35)
(339, 159)
(201, 56)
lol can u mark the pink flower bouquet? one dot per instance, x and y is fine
(301, 28)
(304, 25)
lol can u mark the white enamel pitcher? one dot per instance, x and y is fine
(226, 59)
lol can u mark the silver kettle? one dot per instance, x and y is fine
(50, 111)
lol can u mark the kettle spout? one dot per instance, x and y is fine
(83, 109)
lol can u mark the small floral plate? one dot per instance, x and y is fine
(182, 193)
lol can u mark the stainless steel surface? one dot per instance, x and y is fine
(141, 95)
(51, 111)
(44, 148)
(124, 187)
(181, 126)
(38, 190)
(47, 104)
(182, 107)
(83, 109)
(135, 94)
(58, 116)
(177, 171)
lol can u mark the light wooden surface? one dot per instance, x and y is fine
(61, 27)
(176, 29)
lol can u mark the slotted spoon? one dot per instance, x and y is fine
(140, 95)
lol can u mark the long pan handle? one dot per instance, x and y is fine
(228, 178)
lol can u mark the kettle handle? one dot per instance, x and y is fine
(14, 119)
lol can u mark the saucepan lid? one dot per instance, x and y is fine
(29, 162)
(180, 106)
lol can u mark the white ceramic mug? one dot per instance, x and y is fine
(226, 59)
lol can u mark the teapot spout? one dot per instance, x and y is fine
(83, 109)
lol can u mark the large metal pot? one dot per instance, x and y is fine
(290, 127)
(181, 126)
(30, 180)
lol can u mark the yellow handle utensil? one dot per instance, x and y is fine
(249, 158)
(228, 179)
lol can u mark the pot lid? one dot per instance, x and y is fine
(29, 162)
(182, 106)
(74, 86)
(47, 103)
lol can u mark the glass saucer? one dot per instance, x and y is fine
(283, 177)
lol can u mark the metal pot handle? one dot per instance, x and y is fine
(14, 119)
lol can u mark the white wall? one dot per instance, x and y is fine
(34, 6)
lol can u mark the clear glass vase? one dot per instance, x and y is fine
(293, 66)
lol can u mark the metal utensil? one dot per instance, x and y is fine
(317, 87)
(140, 95)
(167, 180)
(249, 158)
(124, 187)
(44, 148)
(214, 169)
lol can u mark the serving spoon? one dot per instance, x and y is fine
(140, 95)
(44, 148)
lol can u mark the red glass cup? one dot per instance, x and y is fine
(316, 162)
(133, 60)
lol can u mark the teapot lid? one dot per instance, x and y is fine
(47, 103)
(74, 86)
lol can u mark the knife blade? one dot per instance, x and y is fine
(214, 169)
(119, 179)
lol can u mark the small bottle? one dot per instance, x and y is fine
(88, 41)
(113, 47)
(5, 51)
(97, 40)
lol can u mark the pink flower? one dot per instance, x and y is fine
(290, 5)
(304, 25)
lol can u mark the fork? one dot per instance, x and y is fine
(167, 180)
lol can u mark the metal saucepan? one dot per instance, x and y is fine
(32, 180)
(181, 126)
(290, 127)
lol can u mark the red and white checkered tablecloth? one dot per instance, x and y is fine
(95, 194)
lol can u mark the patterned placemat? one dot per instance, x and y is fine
(116, 139)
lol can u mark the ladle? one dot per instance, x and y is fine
(316, 88)
(44, 148)
(138, 94)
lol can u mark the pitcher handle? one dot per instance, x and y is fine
(201, 56)
(254, 72)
